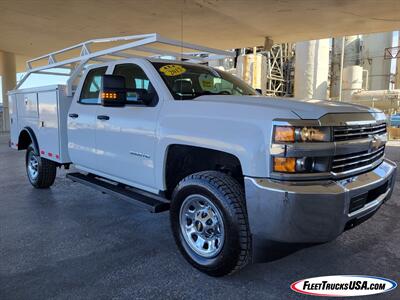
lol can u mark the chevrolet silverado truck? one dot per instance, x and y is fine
(230, 165)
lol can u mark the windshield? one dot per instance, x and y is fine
(190, 81)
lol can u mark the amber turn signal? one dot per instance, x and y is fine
(109, 95)
(285, 164)
(284, 134)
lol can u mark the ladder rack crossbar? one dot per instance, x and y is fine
(134, 42)
(94, 41)
(143, 43)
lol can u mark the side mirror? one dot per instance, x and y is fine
(113, 91)
(259, 91)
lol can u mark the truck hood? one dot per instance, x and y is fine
(304, 108)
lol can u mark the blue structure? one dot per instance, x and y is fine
(395, 120)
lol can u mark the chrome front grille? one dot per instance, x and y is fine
(344, 133)
(353, 161)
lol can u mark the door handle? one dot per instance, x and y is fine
(73, 116)
(102, 117)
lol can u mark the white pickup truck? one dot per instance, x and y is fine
(230, 165)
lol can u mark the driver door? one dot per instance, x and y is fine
(126, 136)
(82, 121)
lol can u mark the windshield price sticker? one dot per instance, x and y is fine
(206, 82)
(172, 70)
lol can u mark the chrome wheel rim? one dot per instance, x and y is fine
(202, 225)
(33, 165)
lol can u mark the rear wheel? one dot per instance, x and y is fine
(41, 172)
(209, 222)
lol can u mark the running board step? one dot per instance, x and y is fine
(154, 203)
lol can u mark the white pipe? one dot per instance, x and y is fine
(341, 70)
(366, 79)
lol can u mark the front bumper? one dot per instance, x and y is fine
(314, 211)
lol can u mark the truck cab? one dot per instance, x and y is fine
(112, 141)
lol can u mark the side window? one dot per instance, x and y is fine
(136, 82)
(91, 86)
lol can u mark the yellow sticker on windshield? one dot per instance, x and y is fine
(206, 82)
(172, 70)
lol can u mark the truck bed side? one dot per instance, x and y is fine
(44, 110)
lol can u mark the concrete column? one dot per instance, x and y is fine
(8, 82)
(311, 69)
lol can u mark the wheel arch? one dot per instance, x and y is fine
(181, 160)
(26, 137)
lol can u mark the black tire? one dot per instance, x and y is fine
(46, 170)
(227, 195)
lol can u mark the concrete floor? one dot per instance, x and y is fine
(72, 242)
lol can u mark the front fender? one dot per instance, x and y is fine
(243, 131)
(243, 142)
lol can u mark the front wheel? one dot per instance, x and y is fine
(209, 222)
(41, 172)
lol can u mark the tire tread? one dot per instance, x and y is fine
(47, 171)
(231, 190)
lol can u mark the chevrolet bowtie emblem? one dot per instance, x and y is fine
(376, 142)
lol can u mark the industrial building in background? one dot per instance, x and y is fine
(271, 71)
(362, 69)
(352, 69)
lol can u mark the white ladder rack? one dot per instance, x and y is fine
(146, 43)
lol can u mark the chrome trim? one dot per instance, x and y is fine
(357, 156)
(301, 176)
(343, 133)
(354, 123)
(326, 148)
(324, 175)
(356, 162)
(278, 149)
(347, 128)
(311, 211)
(334, 148)
(361, 133)
(358, 170)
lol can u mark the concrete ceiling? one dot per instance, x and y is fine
(32, 27)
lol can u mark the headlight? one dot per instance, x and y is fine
(291, 134)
